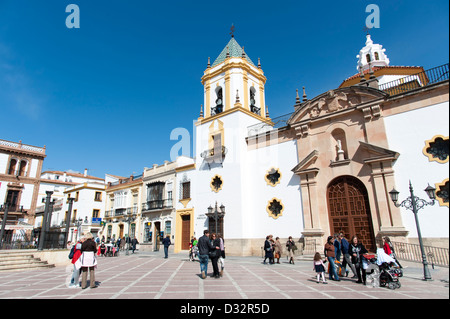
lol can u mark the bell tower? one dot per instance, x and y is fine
(233, 83)
(371, 55)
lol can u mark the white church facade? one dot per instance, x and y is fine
(329, 168)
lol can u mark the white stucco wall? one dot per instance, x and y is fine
(407, 133)
(245, 192)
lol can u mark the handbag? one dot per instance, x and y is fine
(72, 252)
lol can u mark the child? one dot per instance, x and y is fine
(319, 267)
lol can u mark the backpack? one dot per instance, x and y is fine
(72, 252)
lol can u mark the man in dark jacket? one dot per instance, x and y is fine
(134, 242)
(204, 247)
(166, 242)
(346, 255)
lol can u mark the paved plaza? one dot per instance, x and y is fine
(147, 275)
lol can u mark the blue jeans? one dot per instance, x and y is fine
(166, 251)
(333, 272)
(204, 263)
(75, 280)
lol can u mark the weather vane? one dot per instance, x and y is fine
(232, 30)
(366, 28)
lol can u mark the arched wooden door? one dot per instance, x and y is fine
(349, 210)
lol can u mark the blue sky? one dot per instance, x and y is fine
(106, 96)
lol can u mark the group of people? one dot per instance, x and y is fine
(353, 254)
(274, 248)
(211, 247)
(83, 255)
(117, 246)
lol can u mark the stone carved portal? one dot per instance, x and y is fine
(349, 210)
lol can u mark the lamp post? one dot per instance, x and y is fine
(414, 204)
(216, 214)
(44, 220)
(5, 207)
(130, 218)
(69, 213)
(78, 222)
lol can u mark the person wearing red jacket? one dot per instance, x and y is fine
(386, 247)
(389, 249)
(75, 281)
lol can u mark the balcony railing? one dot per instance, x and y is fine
(125, 180)
(414, 81)
(12, 209)
(411, 252)
(157, 204)
(262, 128)
(118, 212)
(25, 147)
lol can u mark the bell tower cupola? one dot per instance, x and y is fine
(371, 55)
(233, 82)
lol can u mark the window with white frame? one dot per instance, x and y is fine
(120, 199)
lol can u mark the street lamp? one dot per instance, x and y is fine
(414, 204)
(44, 220)
(78, 223)
(5, 216)
(69, 213)
(130, 218)
(216, 214)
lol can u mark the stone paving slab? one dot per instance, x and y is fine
(149, 276)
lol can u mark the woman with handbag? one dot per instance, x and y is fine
(88, 261)
(268, 250)
(75, 280)
(222, 254)
(214, 255)
(278, 249)
(291, 247)
(356, 251)
(329, 252)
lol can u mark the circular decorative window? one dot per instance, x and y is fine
(275, 208)
(216, 183)
(273, 176)
(437, 149)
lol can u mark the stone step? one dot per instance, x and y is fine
(21, 267)
(15, 260)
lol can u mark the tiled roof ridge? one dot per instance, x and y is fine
(234, 50)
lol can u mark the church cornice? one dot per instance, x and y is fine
(233, 63)
(234, 109)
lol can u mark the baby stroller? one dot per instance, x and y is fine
(389, 275)
(382, 271)
(194, 253)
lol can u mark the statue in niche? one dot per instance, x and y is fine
(340, 151)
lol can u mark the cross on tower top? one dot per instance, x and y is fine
(232, 30)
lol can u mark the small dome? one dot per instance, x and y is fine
(372, 54)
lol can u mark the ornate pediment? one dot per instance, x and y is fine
(306, 163)
(334, 101)
(377, 153)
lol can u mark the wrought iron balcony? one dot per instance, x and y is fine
(118, 212)
(12, 208)
(414, 81)
(214, 153)
(157, 204)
